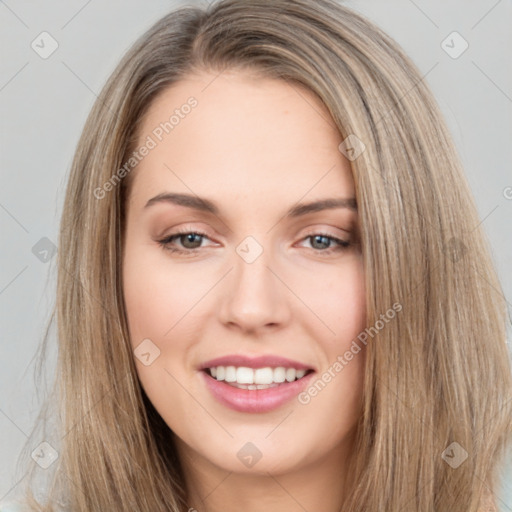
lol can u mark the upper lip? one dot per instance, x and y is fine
(264, 361)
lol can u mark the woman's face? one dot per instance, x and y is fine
(262, 289)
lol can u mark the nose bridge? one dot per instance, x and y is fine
(254, 298)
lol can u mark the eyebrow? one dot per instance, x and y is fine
(205, 205)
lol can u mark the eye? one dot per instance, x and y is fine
(327, 244)
(190, 241)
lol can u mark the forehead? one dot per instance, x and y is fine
(259, 139)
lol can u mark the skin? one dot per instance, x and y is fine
(256, 147)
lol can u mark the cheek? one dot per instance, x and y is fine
(336, 295)
(341, 308)
(156, 296)
(157, 299)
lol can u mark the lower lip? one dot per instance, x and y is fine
(255, 400)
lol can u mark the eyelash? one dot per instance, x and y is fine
(165, 242)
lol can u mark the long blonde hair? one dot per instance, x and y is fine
(437, 378)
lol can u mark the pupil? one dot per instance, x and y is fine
(321, 237)
(190, 239)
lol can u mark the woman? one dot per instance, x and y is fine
(273, 289)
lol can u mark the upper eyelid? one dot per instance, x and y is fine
(315, 229)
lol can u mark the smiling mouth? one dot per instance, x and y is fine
(267, 377)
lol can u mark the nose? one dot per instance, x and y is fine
(253, 298)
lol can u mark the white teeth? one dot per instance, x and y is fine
(259, 378)
(230, 374)
(291, 374)
(280, 374)
(263, 375)
(244, 375)
(300, 374)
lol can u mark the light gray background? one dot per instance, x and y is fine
(44, 103)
